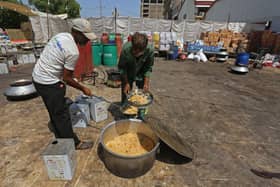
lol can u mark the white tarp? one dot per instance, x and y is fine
(44, 28)
(122, 26)
(97, 25)
(192, 30)
(189, 30)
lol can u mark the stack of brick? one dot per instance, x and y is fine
(255, 39)
(227, 38)
(264, 39)
(268, 39)
(277, 45)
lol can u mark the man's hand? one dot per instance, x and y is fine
(126, 88)
(87, 91)
(68, 79)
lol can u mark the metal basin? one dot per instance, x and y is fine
(21, 89)
(122, 165)
(148, 94)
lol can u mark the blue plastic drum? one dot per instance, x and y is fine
(242, 59)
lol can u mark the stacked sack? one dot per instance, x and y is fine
(166, 39)
(164, 45)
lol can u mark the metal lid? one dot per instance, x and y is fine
(169, 138)
(163, 127)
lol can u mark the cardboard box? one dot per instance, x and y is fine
(60, 159)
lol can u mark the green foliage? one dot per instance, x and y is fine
(71, 7)
(11, 19)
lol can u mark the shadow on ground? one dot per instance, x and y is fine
(168, 155)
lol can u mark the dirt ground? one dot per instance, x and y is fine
(230, 122)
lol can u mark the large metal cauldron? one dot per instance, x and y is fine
(127, 166)
(21, 90)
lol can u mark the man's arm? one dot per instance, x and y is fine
(68, 79)
(123, 70)
(148, 67)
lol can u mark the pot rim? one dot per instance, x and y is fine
(21, 82)
(120, 155)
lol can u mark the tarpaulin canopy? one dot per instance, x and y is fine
(17, 8)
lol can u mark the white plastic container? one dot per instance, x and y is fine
(85, 108)
(78, 117)
(98, 107)
(60, 159)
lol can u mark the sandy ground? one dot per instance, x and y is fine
(231, 122)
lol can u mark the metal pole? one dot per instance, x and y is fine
(66, 7)
(48, 25)
(115, 20)
(100, 8)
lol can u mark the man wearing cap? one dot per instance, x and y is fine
(54, 70)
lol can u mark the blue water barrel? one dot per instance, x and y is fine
(242, 59)
(173, 54)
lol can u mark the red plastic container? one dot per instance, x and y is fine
(84, 64)
(119, 43)
(129, 38)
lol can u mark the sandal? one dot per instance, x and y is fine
(84, 145)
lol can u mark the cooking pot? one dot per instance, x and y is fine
(114, 78)
(124, 165)
(20, 90)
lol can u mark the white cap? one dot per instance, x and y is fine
(83, 26)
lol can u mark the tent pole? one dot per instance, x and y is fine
(48, 25)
